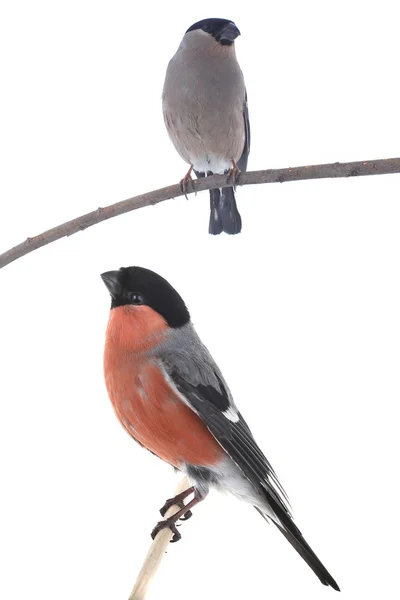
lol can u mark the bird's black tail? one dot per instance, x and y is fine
(294, 536)
(301, 546)
(224, 215)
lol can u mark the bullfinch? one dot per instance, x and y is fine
(206, 115)
(171, 397)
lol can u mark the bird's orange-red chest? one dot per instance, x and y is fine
(146, 405)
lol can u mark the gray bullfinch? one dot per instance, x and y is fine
(206, 115)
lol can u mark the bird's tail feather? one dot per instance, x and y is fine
(224, 212)
(293, 535)
(307, 554)
(215, 227)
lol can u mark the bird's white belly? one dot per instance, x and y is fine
(209, 163)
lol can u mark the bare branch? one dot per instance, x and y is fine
(353, 169)
(156, 551)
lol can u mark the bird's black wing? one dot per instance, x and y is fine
(214, 406)
(242, 162)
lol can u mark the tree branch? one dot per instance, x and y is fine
(353, 169)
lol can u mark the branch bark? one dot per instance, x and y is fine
(156, 551)
(353, 169)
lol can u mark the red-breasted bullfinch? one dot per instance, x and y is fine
(171, 397)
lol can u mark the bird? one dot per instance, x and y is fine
(206, 114)
(171, 397)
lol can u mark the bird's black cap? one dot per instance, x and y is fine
(136, 286)
(223, 30)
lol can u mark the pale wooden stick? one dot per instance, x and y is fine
(156, 552)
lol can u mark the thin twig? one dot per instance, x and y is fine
(353, 169)
(156, 552)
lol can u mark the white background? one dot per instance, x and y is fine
(301, 311)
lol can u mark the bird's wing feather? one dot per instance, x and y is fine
(203, 389)
(242, 162)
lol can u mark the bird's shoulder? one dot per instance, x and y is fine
(192, 370)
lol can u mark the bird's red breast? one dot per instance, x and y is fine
(145, 403)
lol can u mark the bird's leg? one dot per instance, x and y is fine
(178, 501)
(185, 181)
(233, 173)
(170, 522)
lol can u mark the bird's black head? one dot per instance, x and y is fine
(223, 30)
(138, 286)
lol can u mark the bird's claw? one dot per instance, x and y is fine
(173, 502)
(233, 174)
(170, 524)
(184, 183)
(186, 516)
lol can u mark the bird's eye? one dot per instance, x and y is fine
(207, 27)
(136, 299)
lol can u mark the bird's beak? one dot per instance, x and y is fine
(111, 281)
(229, 33)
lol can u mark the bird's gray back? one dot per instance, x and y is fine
(185, 353)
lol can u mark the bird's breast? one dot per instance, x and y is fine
(203, 112)
(153, 413)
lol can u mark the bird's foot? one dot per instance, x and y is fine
(233, 174)
(173, 502)
(184, 183)
(170, 524)
(178, 501)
